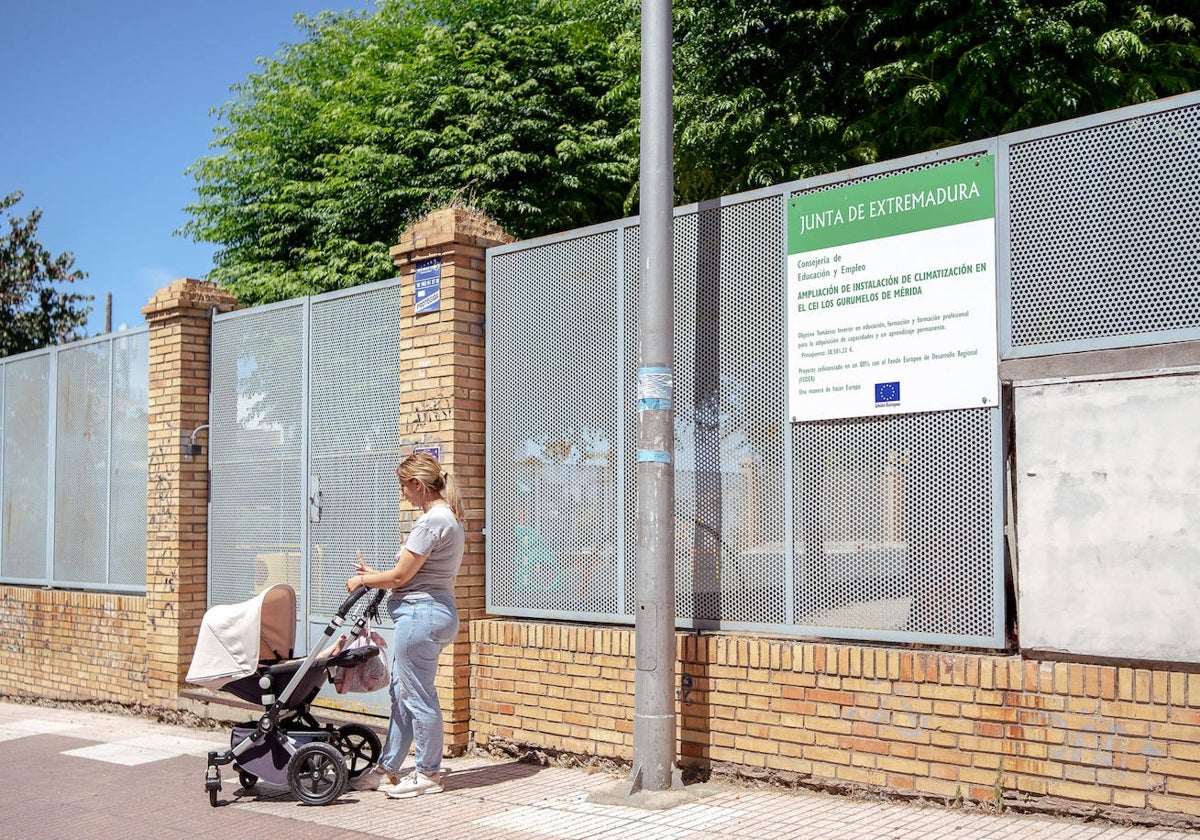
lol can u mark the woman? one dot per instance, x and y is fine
(426, 620)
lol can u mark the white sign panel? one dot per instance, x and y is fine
(892, 295)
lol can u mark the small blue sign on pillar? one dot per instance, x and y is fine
(429, 285)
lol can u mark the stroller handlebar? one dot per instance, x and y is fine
(358, 593)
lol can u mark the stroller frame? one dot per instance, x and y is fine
(286, 744)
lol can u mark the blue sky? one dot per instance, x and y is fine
(105, 106)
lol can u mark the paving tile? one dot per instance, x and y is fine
(121, 776)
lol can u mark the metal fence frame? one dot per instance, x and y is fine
(83, 524)
(694, 611)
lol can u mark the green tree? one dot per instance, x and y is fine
(334, 146)
(35, 311)
(763, 91)
(769, 91)
(529, 110)
(950, 71)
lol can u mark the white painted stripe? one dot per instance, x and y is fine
(25, 728)
(144, 749)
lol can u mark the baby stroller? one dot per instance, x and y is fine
(245, 649)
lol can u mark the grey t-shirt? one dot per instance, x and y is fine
(437, 535)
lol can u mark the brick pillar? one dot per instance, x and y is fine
(442, 381)
(176, 483)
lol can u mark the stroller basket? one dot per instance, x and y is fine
(240, 651)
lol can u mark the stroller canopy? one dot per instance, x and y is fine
(235, 637)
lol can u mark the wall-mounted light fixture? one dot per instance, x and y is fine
(190, 449)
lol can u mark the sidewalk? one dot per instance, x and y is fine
(81, 774)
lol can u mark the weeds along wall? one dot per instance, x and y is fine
(1004, 730)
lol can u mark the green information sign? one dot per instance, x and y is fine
(921, 200)
(892, 294)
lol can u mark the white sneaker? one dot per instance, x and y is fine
(377, 779)
(414, 784)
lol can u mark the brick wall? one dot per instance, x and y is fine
(442, 383)
(177, 484)
(72, 645)
(946, 726)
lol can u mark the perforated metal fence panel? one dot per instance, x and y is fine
(81, 452)
(75, 464)
(128, 459)
(729, 408)
(897, 527)
(305, 431)
(897, 521)
(1103, 241)
(27, 452)
(904, 513)
(556, 437)
(258, 419)
(100, 461)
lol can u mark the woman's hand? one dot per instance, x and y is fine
(360, 568)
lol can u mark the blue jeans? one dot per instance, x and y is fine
(423, 627)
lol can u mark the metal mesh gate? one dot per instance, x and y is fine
(354, 433)
(305, 439)
(257, 510)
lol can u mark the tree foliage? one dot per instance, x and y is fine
(334, 146)
(948, 71)
(35, 309)
(762, 92)
(529, 110)
(769, 91)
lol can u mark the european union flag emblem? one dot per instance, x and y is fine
(886, 392)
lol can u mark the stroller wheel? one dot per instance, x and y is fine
(316, 773)
(360, 746)
(212, 780)
(248, 780)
